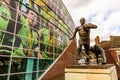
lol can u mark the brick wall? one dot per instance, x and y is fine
(112, 59)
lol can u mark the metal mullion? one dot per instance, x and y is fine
(53, 44)
(12, 47)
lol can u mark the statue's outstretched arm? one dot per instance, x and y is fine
(90, 25)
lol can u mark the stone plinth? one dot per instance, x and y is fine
(91, 72)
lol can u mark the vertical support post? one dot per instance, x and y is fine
(29, 69)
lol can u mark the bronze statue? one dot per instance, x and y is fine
(84, 36)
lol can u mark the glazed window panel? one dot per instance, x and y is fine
(3, 77)
(4, 65)
(31, 37)
(17, 76)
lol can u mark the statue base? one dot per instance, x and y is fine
(91, 72)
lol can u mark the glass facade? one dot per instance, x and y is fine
(33, 33)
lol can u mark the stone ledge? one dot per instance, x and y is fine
(95, 66)
(90, 72)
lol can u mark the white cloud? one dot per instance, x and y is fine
(104, 13)
(76, 3)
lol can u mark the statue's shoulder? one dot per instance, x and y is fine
(78, 27)
(86, 25)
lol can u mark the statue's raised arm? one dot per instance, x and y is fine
(90, 25)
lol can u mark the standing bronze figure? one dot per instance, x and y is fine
(84, 36)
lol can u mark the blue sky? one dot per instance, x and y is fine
(104, 13)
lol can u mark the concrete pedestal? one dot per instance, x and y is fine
(91, 72)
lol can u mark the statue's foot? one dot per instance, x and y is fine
(103, 63)
(87, 63)
(78, 58)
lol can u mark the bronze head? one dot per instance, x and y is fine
(82, 20)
